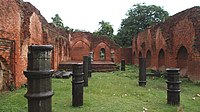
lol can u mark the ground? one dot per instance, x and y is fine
(111, 92)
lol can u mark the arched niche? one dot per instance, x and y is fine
(161, 58)
(148, 58)
(182, 57)
(102, 47)
(102, 54)
(79, 49)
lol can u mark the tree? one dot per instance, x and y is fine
(57, 21)
(105, 29)
(139, 17)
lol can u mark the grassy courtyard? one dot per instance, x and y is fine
(111, 92)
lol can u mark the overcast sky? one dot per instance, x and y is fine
(86, 14)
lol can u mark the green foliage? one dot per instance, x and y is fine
(105, 29)
(139, 17)
(57, 21)
(111, 92)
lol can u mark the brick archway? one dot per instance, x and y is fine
(161, 58)
(79, 49)
(182, 57)
(97, 49)
(148, 58)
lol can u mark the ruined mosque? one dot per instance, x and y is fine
(173, 43)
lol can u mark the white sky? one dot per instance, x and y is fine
(86, 14)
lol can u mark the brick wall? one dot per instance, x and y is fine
(172, 43)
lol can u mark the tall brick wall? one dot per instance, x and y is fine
(21, 25)
(10, 27)
(173, 43)
(124, 53)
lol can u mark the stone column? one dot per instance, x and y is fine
(122, 65)
(91, 56)
(142, 71)
(173, 86)
(85, 70)
(89, 67)
(38, 76)
(77, 85)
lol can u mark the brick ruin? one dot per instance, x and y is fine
(21, 25)
(83, 43)
(173, 43)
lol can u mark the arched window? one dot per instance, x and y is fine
(102, 54)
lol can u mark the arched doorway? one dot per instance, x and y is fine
(161, 58)
(148, 58)
(182, 57)
(102, 54)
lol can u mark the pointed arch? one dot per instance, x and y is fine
(182, 57)
(79, 49)
(148, 58)
(161, 58)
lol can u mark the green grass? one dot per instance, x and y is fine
(111, 92)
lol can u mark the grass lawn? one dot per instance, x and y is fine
(111, 92)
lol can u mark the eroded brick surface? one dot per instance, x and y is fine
(21, 25)
(173, 43)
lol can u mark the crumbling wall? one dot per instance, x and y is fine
(21, 25)
(170, 40)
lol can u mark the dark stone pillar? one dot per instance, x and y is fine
(77, 85)
(122, 65)
(89, 67)
(173, 86)
(85, 70)
(38, 76)
(142, 71)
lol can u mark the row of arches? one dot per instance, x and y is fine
(181, 57)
